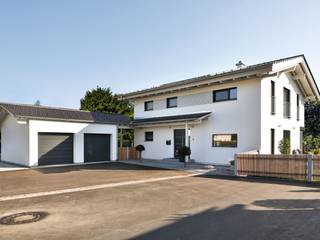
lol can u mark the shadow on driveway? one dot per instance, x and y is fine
(286, 219)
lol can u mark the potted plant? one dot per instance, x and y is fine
(140, 148)
(183, 152)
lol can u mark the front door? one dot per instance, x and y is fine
(179, 140)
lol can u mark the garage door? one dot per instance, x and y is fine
(55, 148)
(96, 147)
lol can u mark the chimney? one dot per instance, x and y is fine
(240, 65)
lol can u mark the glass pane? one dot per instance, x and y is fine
(233, 93)
(225, 140)
(221, 95)
(149, 105)
(172, 102)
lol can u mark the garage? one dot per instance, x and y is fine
(96, 147)
(55, 148)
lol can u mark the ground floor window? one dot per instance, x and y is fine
(224, 140)
(286, 134)
(272, 140)
(148, 136)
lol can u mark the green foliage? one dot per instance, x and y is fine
(317, 152)
(103, 100)
(311, 143)
(312, 118)
(284, 146)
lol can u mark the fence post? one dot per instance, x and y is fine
(310, 167)
(235, 165)
(127, 153)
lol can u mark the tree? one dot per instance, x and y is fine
(103, 100)
(312, 118)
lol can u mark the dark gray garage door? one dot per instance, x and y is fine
(55, 148)
(96, 147)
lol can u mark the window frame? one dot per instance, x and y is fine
(286, 102)
(146, 136)
(273, 98)
(228, 90)
(298, 107)
(168, 101)
(272, 140)
(146, 104)
(217, 134)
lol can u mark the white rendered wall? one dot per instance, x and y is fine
(14, 141)
(79, 129)
(277, 121)
(241, 116)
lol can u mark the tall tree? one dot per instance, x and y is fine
(104, 100)
(312, 118)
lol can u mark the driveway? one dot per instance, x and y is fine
(159, 204)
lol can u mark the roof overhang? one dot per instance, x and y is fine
(172, 120)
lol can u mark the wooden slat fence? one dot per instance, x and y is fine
(280, 166)
(127, 153)
(316, 168)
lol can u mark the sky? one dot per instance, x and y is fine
(54, 51)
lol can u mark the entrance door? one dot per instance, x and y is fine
(179, 140)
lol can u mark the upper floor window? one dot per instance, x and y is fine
(298, 107)
(225, 95)
(148, 136)
(172, 102)
(148, 106)
(286, 103)
(224, 140)
(273, 98)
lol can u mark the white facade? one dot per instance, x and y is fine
(20, 141)
(249, 116)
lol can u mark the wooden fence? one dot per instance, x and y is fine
(127, 153)
(299, 167)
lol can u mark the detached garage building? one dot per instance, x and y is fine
(36, 135)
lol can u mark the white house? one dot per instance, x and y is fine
(250, 108)
(37, 135)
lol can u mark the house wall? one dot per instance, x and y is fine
(14, 141)
(241, 116)
(277, 121)
(79, 129)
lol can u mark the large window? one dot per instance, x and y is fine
(148, 106)
(273, 98)
(286, 103)
(224, 140)
(298, 107)
(272, 138)
(148, 136)
(225, 95)
(172, 102)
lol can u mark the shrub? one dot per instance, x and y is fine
(183, 152)
(284, 146)
(311, 143)
(317, 152)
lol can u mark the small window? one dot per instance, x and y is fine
(172, 102)
(225, 95)
(272, 138)
(286, 134)
(298, 107)
(273, 98)
(148, 136)
(148, 106)
(224, 140)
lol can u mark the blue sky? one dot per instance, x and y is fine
(56, 50)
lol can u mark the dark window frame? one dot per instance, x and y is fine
(273, 98)
(287, 134)
(298, 107)
(272, 140)
(168, 102)
(146, 137)
(228, 90)
(146, 105)
(286, 103)
(232, 135)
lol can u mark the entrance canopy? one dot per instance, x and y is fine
(192, 118)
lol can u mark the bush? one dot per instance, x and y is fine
(284, 146)
(183, 152)
(316, 152)
(311, 143)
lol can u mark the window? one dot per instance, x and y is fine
(148, 136)
(272, 140)
(148, 106)
(225, 95)
(273, 98)
(172, 102)
(298, 107)
(286, 103)
(286, 134)
(224, 140)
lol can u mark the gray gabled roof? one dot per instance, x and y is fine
(261, 67)
(171, 119)
(24, 111)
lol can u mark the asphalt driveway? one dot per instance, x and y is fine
(181, 208)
